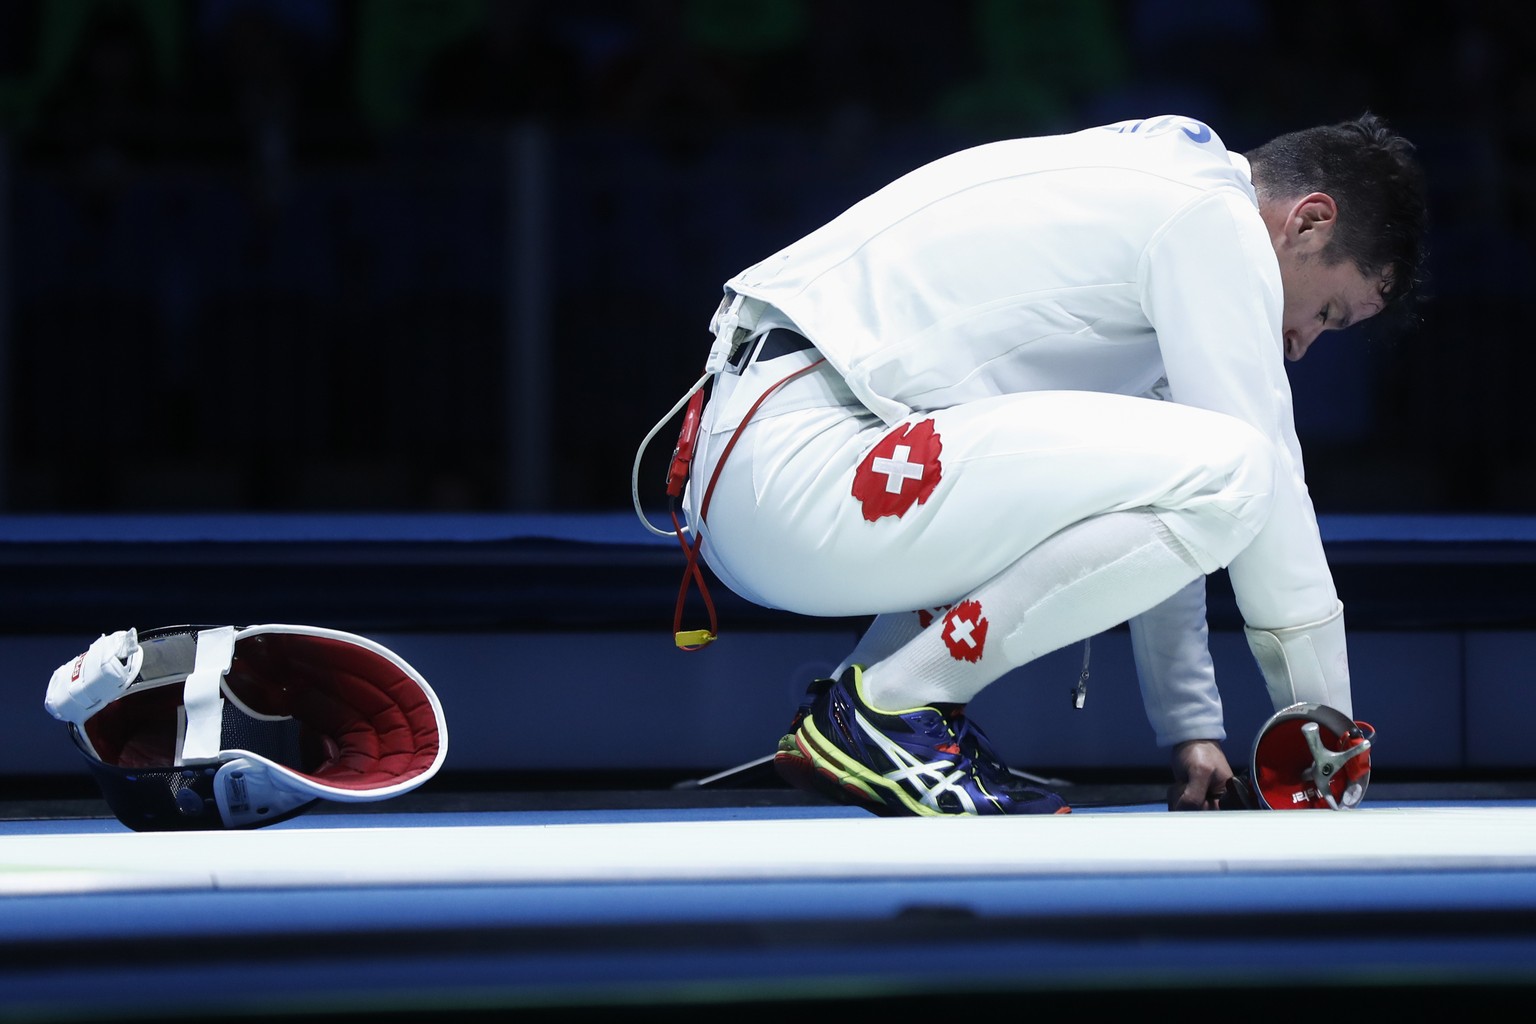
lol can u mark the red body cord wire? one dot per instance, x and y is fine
(691, 551)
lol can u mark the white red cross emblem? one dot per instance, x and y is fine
(965, 631)
(899, 472)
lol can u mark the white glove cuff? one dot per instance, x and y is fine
(1305, 664)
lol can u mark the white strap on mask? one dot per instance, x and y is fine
(203, 723)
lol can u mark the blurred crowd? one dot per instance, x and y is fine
(460, 254)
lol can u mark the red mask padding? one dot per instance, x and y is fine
(137, 730)
(366, 723)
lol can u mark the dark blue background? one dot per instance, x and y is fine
(460, 255)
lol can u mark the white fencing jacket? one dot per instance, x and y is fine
(1130, 259)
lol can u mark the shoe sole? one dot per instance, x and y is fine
(808, 762)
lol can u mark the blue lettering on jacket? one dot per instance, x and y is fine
(1195, 130)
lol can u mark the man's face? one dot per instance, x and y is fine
(1320, 297)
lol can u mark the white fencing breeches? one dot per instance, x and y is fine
(822, 509)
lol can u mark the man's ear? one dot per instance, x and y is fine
(1309, 228)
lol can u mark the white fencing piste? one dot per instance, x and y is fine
(1462, 838)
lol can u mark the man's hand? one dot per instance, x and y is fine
(1200, 774)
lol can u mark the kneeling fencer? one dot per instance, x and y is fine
(1026, 393)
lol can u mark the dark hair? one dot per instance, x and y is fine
(1374, 176)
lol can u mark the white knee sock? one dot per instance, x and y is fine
(886, 635)
(1090, 577)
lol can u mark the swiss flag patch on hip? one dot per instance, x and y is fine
(899, 472)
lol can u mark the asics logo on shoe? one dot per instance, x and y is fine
(929, 779)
